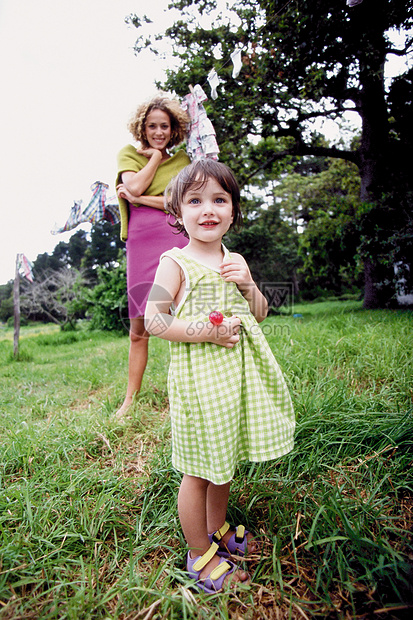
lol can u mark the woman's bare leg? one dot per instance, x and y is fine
(138, 358)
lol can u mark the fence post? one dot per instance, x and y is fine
(16, 304)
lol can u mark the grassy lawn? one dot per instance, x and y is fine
(88, 519)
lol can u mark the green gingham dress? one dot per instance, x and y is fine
(226, 405)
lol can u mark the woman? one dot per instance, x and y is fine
(143, 174)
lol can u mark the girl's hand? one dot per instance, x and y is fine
(226, 334)
(238, 272)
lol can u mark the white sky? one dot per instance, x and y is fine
(69, 82)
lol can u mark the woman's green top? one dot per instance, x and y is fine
(129, 160)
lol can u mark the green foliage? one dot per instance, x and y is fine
(104, 247)
(6, 301)
(107, 301)
(302, 62)
(84, 251)
(327, 204)
(270, 247)
(6, 290)
(64, 255)
(63, 293)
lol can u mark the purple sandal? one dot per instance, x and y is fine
(236, 545)
(213, 583)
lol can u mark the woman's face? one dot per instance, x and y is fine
(158, 130)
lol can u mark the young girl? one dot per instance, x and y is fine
(228, 398)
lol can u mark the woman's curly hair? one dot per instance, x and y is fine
(178, 117)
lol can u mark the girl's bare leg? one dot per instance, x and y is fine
(192, 513)
(138, 358)
(192, 509)
(217, 498)
(217, 504)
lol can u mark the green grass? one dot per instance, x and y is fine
(88, 519)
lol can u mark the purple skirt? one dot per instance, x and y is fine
(149, 236)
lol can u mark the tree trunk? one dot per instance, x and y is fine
(371, 294)
(373, 146)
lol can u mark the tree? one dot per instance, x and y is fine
(64, 281)
(302, 62)
(54, 297)
(6, 301)
(326, 204)
(103, 249)
(64, 255)
(84, 252)
(269, 244)
(107, 301)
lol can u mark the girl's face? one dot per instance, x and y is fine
(158, 129)
(207, 211)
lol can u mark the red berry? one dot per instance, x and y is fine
(216, 317)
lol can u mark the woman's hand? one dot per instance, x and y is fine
(156, 202)
(135, 184)
(123, 192)
(149, 152)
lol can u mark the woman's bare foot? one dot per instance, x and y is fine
(123, 409)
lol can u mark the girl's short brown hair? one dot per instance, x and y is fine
(177, 116)
(194, 176)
